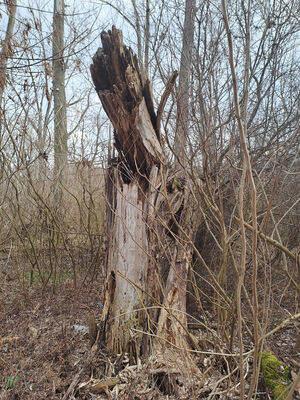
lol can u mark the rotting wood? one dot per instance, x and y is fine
(118, 82)
(129, 105)
(146, 200)
(93, 329)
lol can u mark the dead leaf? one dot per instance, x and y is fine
(104, 384)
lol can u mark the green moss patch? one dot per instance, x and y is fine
(276, 376)
(59, 277)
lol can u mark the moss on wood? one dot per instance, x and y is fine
(276, 376)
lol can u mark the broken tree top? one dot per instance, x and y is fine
(128, 103)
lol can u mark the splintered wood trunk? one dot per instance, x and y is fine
(143, 205)
(128, 103)
(127, 252)
(126, 248)
(131, 272)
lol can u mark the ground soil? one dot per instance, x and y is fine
(42, 350)
(45, 351)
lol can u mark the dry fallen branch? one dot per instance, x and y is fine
(272, 241)
(281, 326)
(104, 385)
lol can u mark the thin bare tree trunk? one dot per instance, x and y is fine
(172, 321)
(246, 173)
(147, 38)
(7, 52)
(181, 133)
(59, 95)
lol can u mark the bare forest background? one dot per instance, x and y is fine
(227, 124)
